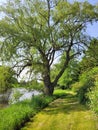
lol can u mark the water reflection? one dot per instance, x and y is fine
(20, 94)
(16, 95)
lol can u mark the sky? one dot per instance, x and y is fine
(90, 1)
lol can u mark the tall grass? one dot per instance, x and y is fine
(11, 118)
(14, 116)
(40, 102)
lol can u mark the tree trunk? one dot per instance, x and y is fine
(48, 90)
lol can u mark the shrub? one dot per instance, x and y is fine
(76, 86)
(6, 78)
(93, 96)
(87, 82)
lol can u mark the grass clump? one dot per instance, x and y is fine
(41, 101)
(11, 118)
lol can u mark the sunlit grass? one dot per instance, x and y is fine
(63, 114)
(61, 93)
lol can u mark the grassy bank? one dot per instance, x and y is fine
(14, 116)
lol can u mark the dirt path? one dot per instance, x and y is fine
(63, 114)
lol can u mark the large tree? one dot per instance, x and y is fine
(34, 32)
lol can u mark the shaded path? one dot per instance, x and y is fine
(63, 114)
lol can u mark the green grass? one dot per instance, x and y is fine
(14, 116)
(63, 114)
(59, 93)
(11, 118)
(40, 102)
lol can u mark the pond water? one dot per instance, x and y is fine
(17, 94)
(21, 94)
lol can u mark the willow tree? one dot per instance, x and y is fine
(35, 32)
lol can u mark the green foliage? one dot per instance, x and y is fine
(90, 58)
(40, 102)
(93, 96)
(87, 82)
(76, 86)
(70, 75)
(34, 84)
(6, 78)
(88, 71)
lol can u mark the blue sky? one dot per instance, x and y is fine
(92, 29)
(90, 1)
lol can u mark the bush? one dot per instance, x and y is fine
(93, 96)
(76, 86)
(6, 78)
(87, 82)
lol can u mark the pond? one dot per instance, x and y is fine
(16, 94)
